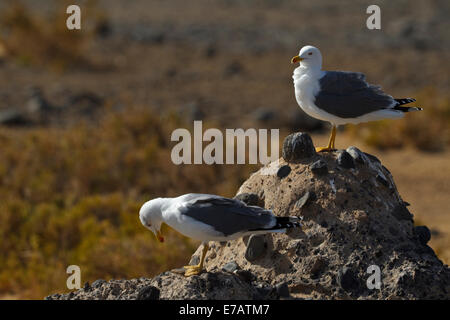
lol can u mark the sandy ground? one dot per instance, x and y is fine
(422, 180)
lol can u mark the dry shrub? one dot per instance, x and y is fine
(72, 196)
(32, 39)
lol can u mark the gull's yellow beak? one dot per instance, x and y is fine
(159, 236)
(296, 59)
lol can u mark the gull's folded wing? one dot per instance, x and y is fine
(348, 95)
(227, 216)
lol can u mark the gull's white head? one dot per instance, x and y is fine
(151, 217)
(309, 57)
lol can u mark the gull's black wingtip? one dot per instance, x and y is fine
(288, 222)
(404, 101)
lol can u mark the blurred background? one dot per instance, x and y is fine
(86, 117)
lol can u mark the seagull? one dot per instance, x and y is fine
(340, 97)
(208, 217)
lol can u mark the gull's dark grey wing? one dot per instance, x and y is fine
(227, 216)
(348, 95)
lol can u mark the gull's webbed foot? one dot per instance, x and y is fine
(192, 270)
(325, 149)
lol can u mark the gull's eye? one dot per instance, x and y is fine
(309, 54)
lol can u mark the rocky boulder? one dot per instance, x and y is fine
(354, 221)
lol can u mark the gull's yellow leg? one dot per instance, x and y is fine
(194, 270)
(333, 133)
(330, 146)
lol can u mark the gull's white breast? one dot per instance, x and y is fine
(306, 84)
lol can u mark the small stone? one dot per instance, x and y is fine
(317, 266)
(283, 171)
(356, 154)
(211, 51)
(245, 275)
(103, 28)
(86, 286)
(319, 167)
(98, 283)
(13, 117)
(256, 247)
(230, 267)
(298, 146)
(264, 292)
(423, 234)
(235, 67)
(148, 293)
(282, 290)
(250, 199)
(345, 160)
(347, 279)
(307, 197)
(37, 101)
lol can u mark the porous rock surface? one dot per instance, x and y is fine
(168, 285)
(353, 219)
